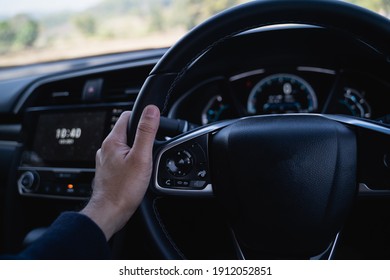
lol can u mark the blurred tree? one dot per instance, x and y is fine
(26, 30)
(7, 36)
(86, 24)
(19, 32)
(381, 6)
(157, 20)
(158, 12)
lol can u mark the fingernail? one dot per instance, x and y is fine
(151, 111)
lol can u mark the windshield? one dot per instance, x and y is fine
(46, 30)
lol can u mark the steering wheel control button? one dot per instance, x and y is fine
(202, 174)
(182, 183)
(180, 163)
(168, 182)
(198, 184)
(197, 150)
(202, 171)
(184, 166)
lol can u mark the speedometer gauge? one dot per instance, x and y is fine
(282, 93)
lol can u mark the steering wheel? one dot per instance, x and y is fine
(285, 182)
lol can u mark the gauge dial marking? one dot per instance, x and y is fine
(282, 93)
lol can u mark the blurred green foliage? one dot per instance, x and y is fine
(382, 6)
(18, 32)
(7, 35)
(86, 24)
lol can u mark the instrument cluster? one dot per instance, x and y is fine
(302, 89)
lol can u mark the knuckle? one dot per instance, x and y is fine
(107, 143)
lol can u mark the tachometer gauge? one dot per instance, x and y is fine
(282, 93)
(353, 103)
(216, 109)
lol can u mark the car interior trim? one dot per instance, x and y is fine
(246, 74)
(364, 190)
(28, 93)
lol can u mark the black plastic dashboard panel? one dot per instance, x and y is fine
(57, 141)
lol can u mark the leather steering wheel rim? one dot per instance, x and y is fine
(357, 22)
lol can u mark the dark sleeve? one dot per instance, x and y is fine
(72, 236)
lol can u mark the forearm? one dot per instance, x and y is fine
(71, 236)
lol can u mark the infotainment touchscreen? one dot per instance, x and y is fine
(69, 136)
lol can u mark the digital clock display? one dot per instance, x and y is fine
(69, 136)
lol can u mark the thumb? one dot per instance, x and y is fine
(146, 130)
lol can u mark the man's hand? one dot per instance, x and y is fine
(122, 173)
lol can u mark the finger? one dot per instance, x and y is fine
(119, 130)
(146, 130)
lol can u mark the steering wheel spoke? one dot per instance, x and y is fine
(244, 254)
(373, 156)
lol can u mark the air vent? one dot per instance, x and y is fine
(122, 85)
(62, 92)
(121, 92)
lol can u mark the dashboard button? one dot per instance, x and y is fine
(92, 89)
(28, 181)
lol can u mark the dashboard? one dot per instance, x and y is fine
(52, 124)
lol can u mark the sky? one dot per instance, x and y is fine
(12, 7)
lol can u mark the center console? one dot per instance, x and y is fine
(60, 147)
